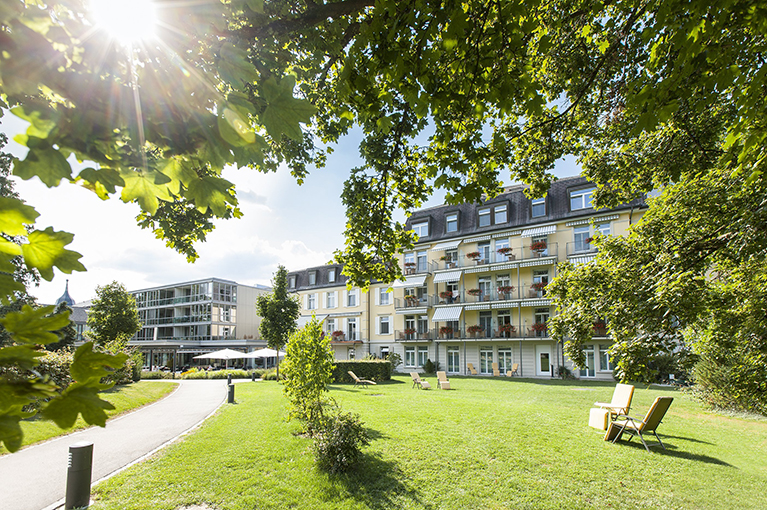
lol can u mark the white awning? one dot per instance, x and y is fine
(539, 231)
(450, 276)
(410, 281)
(448, 313)
(447, 245)
(581, 260)
(304, 320)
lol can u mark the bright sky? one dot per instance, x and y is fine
(282, 223)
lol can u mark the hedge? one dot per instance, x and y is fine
(374, 369)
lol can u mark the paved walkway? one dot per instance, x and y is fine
(35, 477)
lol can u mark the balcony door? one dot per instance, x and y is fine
(543, 360)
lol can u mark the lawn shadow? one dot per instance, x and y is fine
(672, 451)
(377, 484)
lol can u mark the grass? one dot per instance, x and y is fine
(125, 398)
(490, 443)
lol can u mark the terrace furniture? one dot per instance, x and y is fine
(417, 381)
(472, 370)
(358, 381)
(636, 427)
(442, 382)
(514, 370)
(496, 371)
(621, 401)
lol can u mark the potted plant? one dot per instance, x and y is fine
(539, 326)
(539, 286)
(475, 255)
(445, 331)
(506, 328)
(475, 329)
(506, 289)
(538, 246)
(448, 260)
(506, 251)
(588, 240)
(411, 300)
(410, 267)
(474, 292)
(600, 327)
(337, 335)
(409, 331)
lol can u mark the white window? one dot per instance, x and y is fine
(351, 298)
(330, 300)
(423, 355)
(409, 356)
(484, 217)
(332, 275)
(451, 222)
(421, 261)
(331, 326)
(421, 229)
(539, 207)
(580, 237)
(486, 360)
(384, 325)
(604, 358)
(292, 281)
(581, 199)
(484, 252)
(501, 214)
(602, 229)
(311, 302)
(384, 298)
(453, 360)
(312, 277)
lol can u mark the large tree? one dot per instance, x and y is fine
(113, 314)
(644, 93)
(278, 311)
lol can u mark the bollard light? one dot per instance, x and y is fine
(230, 399)
(253, 376)
(229, 379)
(79, 475)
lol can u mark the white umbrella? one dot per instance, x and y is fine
(263, 353)
(225, 354)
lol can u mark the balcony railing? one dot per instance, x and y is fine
(418, 268)
(348, 337)
(412, 302)
(580, 248)
(413, 334)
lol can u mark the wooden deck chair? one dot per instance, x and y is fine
(636, 427)
(472, 370)
(621, 401)
(496, 371)
(417, 381)
(442, 382)
(358, 381)
(514, 370)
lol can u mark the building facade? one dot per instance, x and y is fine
(197, 317)
(475, 286)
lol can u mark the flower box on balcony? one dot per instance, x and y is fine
(506, 328)
(337, 335)
(474, 292)
(474, 255)
(538, 246)
(475, 330)
(445, 330)
(507, 252)
(539, 327)
(411, 301)
(446, 294)
(506, 289)
(409, 331)
(538, 286)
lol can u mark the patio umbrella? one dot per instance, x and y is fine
(224, 354)
(264, 353)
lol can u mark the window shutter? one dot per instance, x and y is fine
(324, 303)
(378, 296)
(378, 325)
(346, 298)
(306, 301)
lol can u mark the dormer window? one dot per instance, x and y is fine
(292, 281)
(332, 275)
(539, 207)
(312, 277)
(484, 217)
(421, 229)
(581, 199)
(501, 213)
(451, 222)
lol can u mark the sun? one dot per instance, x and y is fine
(127, 21)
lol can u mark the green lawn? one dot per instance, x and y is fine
(124, 398)
(489, 443)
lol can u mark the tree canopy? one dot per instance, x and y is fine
(278, 311)
(113, 314)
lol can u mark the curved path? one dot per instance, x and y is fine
(35, 477)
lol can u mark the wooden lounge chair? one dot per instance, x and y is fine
(636, 427)
(496, 370)
(472, 370)
(417, 381)
(621, 401)
(358, 381)
(442, 382)
(514, 370)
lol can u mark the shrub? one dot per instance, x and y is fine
(428, 367)
(338, 441)
(223, 374)
(56, 366)
(375, 370)
(195, 374)
(155, 374)
(395, 360)
(565, 373)
(270, 375)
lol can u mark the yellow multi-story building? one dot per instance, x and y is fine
(475, 286)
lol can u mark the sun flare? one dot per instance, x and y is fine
(127, 21)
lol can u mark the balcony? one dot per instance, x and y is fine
(411, 302)
(517, 254)
(349, 337)
(421, 267)
(577, 248)
(414, 335)
(534, 291)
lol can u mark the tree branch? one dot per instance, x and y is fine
(312, 16)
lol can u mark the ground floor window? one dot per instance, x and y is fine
(504, 359)
(486, 360)
(384, 352)
(423, 355)
(409, 356)
(604, 358)
(588, 370)
(453, 360)
(350, 353)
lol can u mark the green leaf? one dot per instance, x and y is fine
(22, 356)
(234, 127)
(8, 285)
(46, 250)
(211, 192)
(256, 5)
(35, 325)
(39, 127)
(44, 162)
(77, 399)
(284, 113)
(103, 182)
(179, 172)
(10, 431)
(235, 67)
(146, 188)
(14, 215)
(89, 366)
